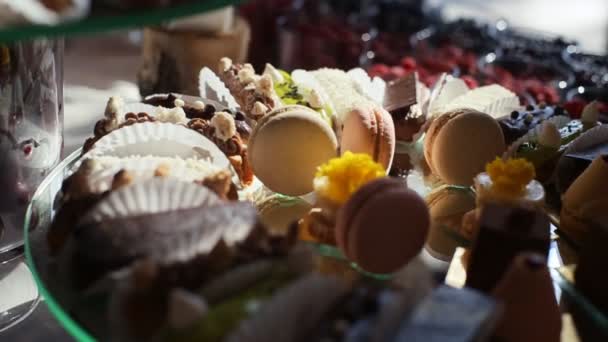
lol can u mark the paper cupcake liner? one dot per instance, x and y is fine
(211, 87)
(297, 308)
(159, 139)
(167, 238)
(144, 167)
(151, 196)
(533, 135)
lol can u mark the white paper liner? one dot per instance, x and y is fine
(150, 196)
(161, 140)
(185, 170)
(211, 87)
(559, 121)
(298, 308)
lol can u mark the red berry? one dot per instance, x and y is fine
(575, 107)
(408, 63)
(379, 70)
(470, 81)
(398, 71)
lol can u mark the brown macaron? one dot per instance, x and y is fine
(382, 226)
(460, 143)
(371, 131)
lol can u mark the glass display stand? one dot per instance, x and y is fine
(31, 126)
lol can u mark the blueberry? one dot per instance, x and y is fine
(209, 109)
(514, 115)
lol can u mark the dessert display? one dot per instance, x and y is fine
(275, 195)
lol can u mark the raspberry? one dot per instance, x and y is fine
(408, 63)
(470, 81)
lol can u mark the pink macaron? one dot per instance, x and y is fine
(383, 225)
(371, 131)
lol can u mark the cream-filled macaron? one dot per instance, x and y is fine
(287, 146)
(369, 130)
(460, 143)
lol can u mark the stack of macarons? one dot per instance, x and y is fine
(376, 221)
(305, 118)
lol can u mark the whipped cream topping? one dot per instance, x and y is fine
(101, 170)
(174, 115)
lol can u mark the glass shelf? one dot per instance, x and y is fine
(41, 211)
(103, 19)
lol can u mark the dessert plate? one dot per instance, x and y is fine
(44, 269)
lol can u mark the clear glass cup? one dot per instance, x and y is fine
(31, 127)
(31, 141)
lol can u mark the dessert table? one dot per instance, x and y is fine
(85, 93)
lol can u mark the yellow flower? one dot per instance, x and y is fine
(510, 177)
(340, 177)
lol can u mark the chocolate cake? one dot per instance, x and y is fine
(519, 123)
(504, 232)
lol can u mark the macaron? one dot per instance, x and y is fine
(460, 143)
(287, 146)
(371, 131)
(447, 207)
(382, 226)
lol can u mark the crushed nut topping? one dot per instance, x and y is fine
(200, 105)
(246, 76)
(179, 103)
(225, 127)
(259, 109)
(121, 178)
(225, 64)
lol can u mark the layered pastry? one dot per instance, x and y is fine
(519, 122)
(404, 99)
(504, 232)
(506, 182)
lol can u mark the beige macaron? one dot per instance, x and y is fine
(369, 130)
(447, 206)
(460, 143)
(287, 146)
